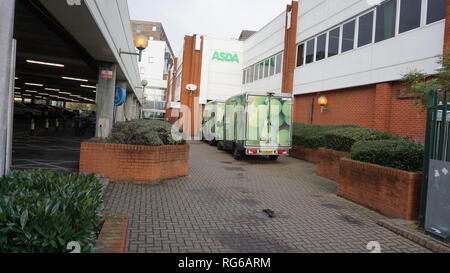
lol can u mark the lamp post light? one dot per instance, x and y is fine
(141, 43)
(323, 102)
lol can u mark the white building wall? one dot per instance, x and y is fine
(263, 44)
(152, 64)
(384, 61)
(220, 80)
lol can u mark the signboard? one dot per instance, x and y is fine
(437, 220)
(225, 57)
(106, 74)
(120, 96)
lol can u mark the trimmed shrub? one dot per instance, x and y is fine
(144, 132)
(396, 154)
(313, 136)
(41, 212)
(343, 139)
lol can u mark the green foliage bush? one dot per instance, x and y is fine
(396, 154)
(41, 212)
(144, 132)
(313, 136)
(343, 139)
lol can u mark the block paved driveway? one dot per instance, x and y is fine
(217, 208)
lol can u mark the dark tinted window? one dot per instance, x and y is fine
(410, 13)
(310, 51)
(333, 42)
(256, 72)
(436, 10)
(243, 76)
(272, 66)
(266, 68)
(386, 15)
(300, 54)
(261, 70)
(348, 36)
(321, 47)
(365, 31)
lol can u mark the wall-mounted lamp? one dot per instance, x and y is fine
(323, 102)
(141, 43)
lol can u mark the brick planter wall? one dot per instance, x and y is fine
(113, 237)
(303, 153)
(329, 162)
(132, 163)
(392, 192)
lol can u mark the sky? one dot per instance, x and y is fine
(215, 18)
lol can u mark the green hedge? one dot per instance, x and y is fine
(397, 154)
(144, 132)
(343, 139)
(313, 136)
(41, 212)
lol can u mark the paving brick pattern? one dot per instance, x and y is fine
(218, 208)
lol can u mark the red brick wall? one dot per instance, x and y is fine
(290, 49)
(447, 29)
(130, 163)
(310, 155)
(328, 164)
(392, 192)
(372, 106)
(347, 106)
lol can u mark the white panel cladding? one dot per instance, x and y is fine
(377, 62)
(263, 44)
(153, 62)
(220, 80)
(316, 16)
(384, 61)
(266, 42)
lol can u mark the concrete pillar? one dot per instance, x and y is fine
(105, 99)
(6, 74)
(129, 115)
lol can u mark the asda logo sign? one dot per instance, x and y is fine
(226, 57)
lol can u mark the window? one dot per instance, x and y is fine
(154, 28)
(272, 66)
(256, 72)
(348, 36)
(310, 51)
(321, 47)
(266, 68)
(279, 62)
(243, 76)
(365, 30)
(138, 28)
(151, 38)
(261, 70)
(300, 54)
(251, 73)
(142, 70)
(386, 17)
(410, 13)
(435, 10)
(333, 42)
(151, 60)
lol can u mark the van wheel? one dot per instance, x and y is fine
(273, 157)
(212, 142)
(237, 154)
(220, 146)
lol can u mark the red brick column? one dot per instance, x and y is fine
(383, 106)
(447, 29)
(192, 68)
(290, 49)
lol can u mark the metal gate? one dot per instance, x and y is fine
(435, 203)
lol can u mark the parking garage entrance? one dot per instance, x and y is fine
(54, 95)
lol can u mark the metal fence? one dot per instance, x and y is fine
(437, 140)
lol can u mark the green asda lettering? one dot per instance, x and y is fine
(225, 57)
